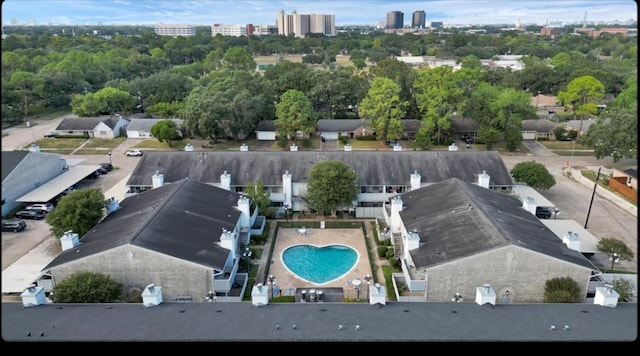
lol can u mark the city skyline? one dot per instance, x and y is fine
(347, 12)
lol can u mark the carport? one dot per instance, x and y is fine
(57, 185)
(524, 191)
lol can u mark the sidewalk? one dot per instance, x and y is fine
(604, 193)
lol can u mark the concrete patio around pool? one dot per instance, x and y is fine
(287, 282)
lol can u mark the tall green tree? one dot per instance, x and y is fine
(260, 197)
(616, 249)
(78, 211)
(332, 184)
(165, 131)
(510, 107)
(203, 114)
(294, 113)
(87, 287)
(534, 174)
(237, 58)
(384, 108)
(615, 134)
(581, 97)
(27, 88)
(439, 96)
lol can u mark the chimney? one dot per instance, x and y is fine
(157, 180)
(227, 240)
(347, 148)
(485, 294)
(34, 148)
(225, 181)
(606, 296)
(244, 148)
(397, 147)
(415, 180)
(377, 295)
(293, 148)
(259, 295)
(245, 211)
(396, 208)
(112, 205)
(152, 295)
(453, 147)
(287, 189)
(33, 295)
(69, 240)
(483, 179)
(529, 204)
(413, 241)
(572, 240)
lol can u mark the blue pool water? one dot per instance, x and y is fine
(319, 265)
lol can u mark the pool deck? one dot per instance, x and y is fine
(285, 280)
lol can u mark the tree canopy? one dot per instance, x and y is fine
(384, 108)
(294, 113)
(87, 287)
(332, 184)
(534, 174)
(165, 131)
(77, 211)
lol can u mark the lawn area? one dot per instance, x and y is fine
(51, 143)
(563, 145)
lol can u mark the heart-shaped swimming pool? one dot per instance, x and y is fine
(319, 265)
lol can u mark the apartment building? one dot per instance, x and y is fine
(229, 30)
(300, 25)
(174, 30)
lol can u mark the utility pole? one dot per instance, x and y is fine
(595, 185)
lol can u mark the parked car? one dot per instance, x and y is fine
(102, 170)
(31, 214)
(15, 225)
(134, 153)
(543, 212)
(51, 134)
(46, 207)
(68, 190)
(107, 166)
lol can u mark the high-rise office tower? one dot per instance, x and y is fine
(419, 19)
(395, 19)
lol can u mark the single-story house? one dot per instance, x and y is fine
(187, 237)
(141, 128)
(540, 128)
(473, 238)
(98, 127)
(284, 175)
(546, 105)
(409, 128)
(331, 129)
(582, 126)
(266, 130)
(464, 126)
(625, 182)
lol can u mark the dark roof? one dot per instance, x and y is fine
(469, 219)
(183, 219)
(147, 124)
(340, 125)
(372, 167)
(86, 123)
(10, 160)
(266, 125)
(539, 125)
(396, 322)
(411, 125)
(631, 172)
(464, 125)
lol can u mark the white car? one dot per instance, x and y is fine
(134, 153)
(47, 207)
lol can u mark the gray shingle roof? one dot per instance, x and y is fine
(85, 123)
(469, 219)
(340, 125)
(539, 125)
(396, 322)
(147, 124)
(181, 219)
(266, 125)
(10, 160)
(372, 167)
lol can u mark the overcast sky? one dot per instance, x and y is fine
(259, 12)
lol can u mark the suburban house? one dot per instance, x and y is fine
(141, 128)
(266, 130)
(409, 128)
(187, 237)
(381, 174)
(625, 182)
(464, 126)
(546, 105)
(331, 129)
(582, 126)
(475, 240)
(540, 128)
(36, 177)
(98, 127)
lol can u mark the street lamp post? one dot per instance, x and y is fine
(272, 281)
(109, 154)
(247, 254)
(356, 284)
(555, 213)
(614, 258)
(368, 279)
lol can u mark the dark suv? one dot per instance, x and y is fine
(15, 225)
(543, 213)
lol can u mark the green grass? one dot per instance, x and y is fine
(60, 143)
(105, 143)
(563, 145)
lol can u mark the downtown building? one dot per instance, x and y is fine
(174, 30)
(395, 20)
(419, 19)
(300, 25)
